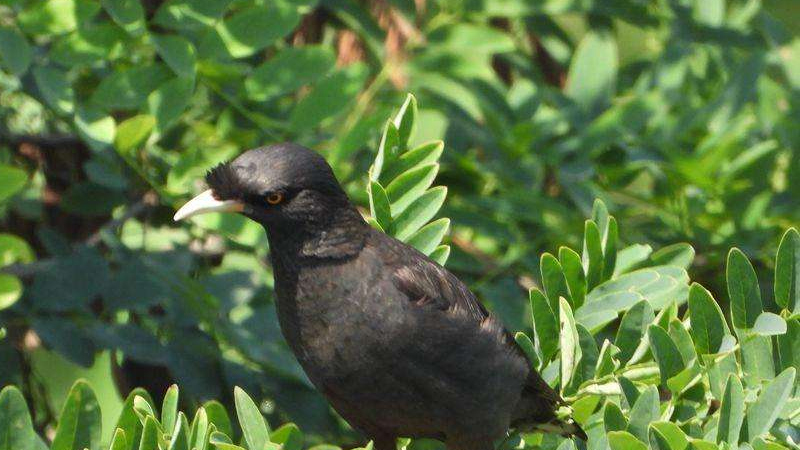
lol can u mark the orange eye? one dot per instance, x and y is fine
(274, 198)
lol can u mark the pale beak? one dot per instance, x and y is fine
(206, 203)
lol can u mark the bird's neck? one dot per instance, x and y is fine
(339, 235)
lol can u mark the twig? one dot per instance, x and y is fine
(27, 270)
(49, 141)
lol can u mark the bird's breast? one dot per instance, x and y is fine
(334, 318)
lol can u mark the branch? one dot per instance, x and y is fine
(27, 270)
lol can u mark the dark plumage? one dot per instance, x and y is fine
(398, 345)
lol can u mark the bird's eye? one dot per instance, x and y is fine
(274, 198)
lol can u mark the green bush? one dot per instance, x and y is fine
(664, 381)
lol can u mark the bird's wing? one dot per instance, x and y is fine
(430, 285)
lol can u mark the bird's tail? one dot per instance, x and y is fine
(542, 409)
(567, 428)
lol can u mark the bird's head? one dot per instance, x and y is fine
(281, 186)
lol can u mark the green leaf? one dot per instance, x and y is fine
(610, 239)
(168, 102)
(12, 180)
(10, 290)
(179, 439)
(128, 89)
(683, 340)
(613, 419)
(419, 212)
(658, 441)
(600, 216)
(55, 88)
(606, 361)
(427, 238)
(199, 430)
(223, 442)
(769, 324)
(761, 444)
(762, 414)
(150, 434)
(553, 280)
(169, 408)
(177, 52)
(528, 347)
(407, 187)
(143, 407)
(708, 323)
(679, 255)
(190, 14)
(568, 344)
(379, 206)
(659, 285)
(592, 258)
(756, 354)
(128, 421)
(89, 199)
(329, 97)
(405, 119)
(698, 444)
(441, 254)
(218, 416)
(469, 37)
(128, 14)
(288, 436)
(289, 69)
(545, 325)
(133, 132)
(584, 407)
(16, 428)
(731, 411)
(91, 44)
(254, 427)
(424, 154)
(14, 249)
(743, 290)
(622, 440)
(644, 411)
(251, 29)
(632, 329)
(573, 273)
(119, 441)
(55, 16)
(631, 257)
(671, 433)
(629, 391)
(388, 150)
(593, 73)
(665, 352)
(787, 272)
(15, 52)
(79, 423)
(96, 128)
(789, 345)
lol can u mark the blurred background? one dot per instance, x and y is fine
(681, 115)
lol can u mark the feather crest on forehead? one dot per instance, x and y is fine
(224, 181)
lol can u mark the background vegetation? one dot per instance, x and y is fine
(681, 115)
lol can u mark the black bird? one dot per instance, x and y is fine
(398, 345)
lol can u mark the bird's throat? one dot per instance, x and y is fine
(342, 236)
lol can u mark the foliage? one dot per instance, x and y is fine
(140, 426)
(666, 379)
(679, 114)
(662, 382)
